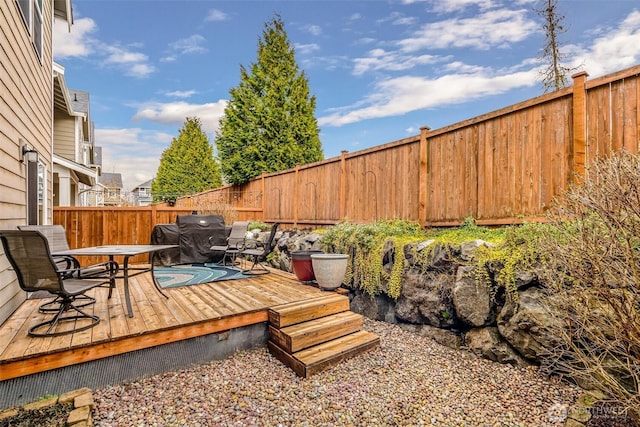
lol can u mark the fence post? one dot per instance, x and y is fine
(343, 184)
(579, 148)
(262, 190)
(296, 198)
(422, 174)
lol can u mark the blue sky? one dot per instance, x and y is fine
(380, 70)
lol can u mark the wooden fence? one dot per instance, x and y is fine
(95, 226)
(500, 168)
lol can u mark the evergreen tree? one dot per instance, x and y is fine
(187, 166)
(269, 123)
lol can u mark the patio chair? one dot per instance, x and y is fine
(57, 241)
(29, 255)
(235, 242)
(260, 253)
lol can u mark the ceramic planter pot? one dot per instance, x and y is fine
(329, 269)
(302, 266)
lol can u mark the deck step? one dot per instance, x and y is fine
(307, 334)
(320, 357)
(297, 312)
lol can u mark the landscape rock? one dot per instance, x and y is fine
(524, 324)
(472, 300)
(426, 299)
(441, 336)
(377, 308)
(486, 342)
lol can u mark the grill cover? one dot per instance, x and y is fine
(194, 233)
(166, 234)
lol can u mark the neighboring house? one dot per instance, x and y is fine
(26, 114)
(142, 194)
(74, 169)
(111, 186)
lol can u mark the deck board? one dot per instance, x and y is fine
(190, 311)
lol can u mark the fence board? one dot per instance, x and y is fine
(499, 167)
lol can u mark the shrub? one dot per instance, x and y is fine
(366, 245)
(592, 260)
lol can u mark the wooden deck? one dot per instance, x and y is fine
(190, 311)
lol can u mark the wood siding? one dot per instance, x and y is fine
(64, 136)
(25, 114)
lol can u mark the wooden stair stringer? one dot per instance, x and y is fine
(313, 335)
(315, 359)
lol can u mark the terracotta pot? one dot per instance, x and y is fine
(329, 269)
(301, 263)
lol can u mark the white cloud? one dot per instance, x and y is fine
(134, 64)
(449, 6)
(192, 44)
(189, 45)
(306, 49)
(80, 42)
(216, 15)
(175, 113)
(121, 150)
(181, 93)
(498, 28)
(379, 59)
(314, 30)
(118, 55)
(394, 97)
(75, 43)
(614, 49)
(405, 21)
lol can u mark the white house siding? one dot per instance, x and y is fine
(25, 113)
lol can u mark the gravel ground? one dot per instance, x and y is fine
(408, 381)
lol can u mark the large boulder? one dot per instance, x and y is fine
(487, 343)
(468, 249)
(426, 299)
(525, 324)
(377, 308)
(472, 300)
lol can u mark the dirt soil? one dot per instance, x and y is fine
(54, 416)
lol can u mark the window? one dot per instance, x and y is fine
(31, 11)
(42, 193)
(36, 193)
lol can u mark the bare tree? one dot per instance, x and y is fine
(554, 75)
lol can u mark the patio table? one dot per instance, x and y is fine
(126, 251)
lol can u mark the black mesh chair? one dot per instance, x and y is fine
(57, 240)
(235, 242)
(29, 255)
(260, 253)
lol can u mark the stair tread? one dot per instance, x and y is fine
(330, 349)
(320, 357)
(313, 332)
(301, 311)
(311, 326)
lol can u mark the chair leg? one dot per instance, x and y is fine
(44, 329)
(256, 269)
(54, 306)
